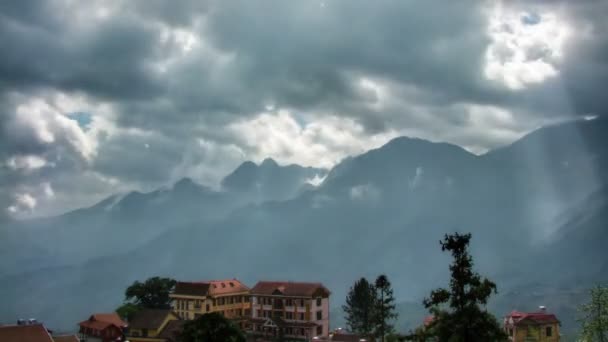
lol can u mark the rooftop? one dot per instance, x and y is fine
(540, 317)
(24, 333)
(288, 288)
(209, 288)
(149, 319)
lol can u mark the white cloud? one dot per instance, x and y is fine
(48, 190)
(316, 180)
(24, 201)
(46, 120)
(320, 142)
(526, 47)
(415, 181)
(364, 192)
(27, 162)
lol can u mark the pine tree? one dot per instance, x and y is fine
(360, 307)
(595, 316)
(385, 308)
(463, 320)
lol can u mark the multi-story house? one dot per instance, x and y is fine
(535, 326)
(228, 297)
(294, 310)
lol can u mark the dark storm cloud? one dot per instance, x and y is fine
(109, 60)
(309, 57)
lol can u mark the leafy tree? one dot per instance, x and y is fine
(127, 311)
(360, 307)
(594, 318)
(211, 327)
(385, 307)
(463, 320)
(395, 338)
(151, 294)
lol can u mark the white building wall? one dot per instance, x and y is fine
(324, 307)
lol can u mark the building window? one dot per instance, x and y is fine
(549, 331)
(511, 332)
(319, 315)
(319, 299)
(301, 316)
(319, 330)
(207, 307)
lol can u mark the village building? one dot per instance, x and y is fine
(227, 297)
(536, 326)
(103, 327)
(153, 325)
(25, 333)
(295, 310)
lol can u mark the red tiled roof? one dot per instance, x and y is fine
(95, 325)
(101, 321)
(428, 320)
(288, 288)
(24, 333)
(66, 338)
(112, 318)
(209, 288)
(532, 318)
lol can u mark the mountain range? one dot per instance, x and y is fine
(537, 210)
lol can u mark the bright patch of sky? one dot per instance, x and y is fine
(526, 46)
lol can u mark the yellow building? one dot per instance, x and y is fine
(228, 297)
(536, 326)
(154, 325)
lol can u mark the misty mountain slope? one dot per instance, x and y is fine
(380, 212)
(554, 167)
(269, 181)
(123, 222)
(581, 241)
(113, 226)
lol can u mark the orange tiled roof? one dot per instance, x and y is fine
(24, 333)
(288, 288)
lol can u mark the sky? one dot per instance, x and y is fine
(102, 97)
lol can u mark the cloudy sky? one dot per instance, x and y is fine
(99, 97)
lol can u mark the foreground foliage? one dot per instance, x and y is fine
(594, 314)
(151, 294)
(211, 327)
(370, 308)
(457, 312)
